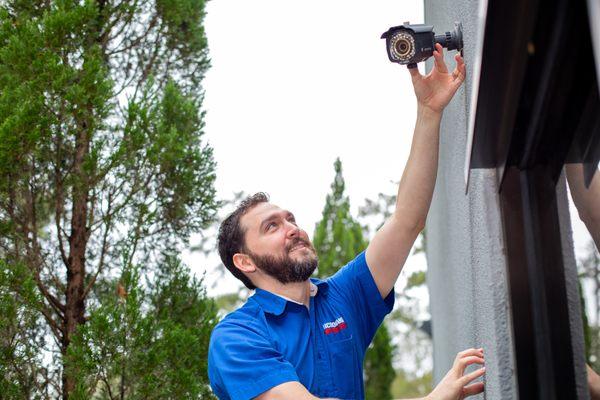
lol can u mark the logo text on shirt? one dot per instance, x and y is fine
(334, 326)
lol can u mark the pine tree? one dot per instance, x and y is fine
(100, 156)
(338, 239)
(147, 341)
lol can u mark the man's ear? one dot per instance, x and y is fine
(244, 263)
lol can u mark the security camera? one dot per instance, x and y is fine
(410, 44)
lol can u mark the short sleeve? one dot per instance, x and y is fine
(354, 283)
(242, 363)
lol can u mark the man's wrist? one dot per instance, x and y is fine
(424, 112)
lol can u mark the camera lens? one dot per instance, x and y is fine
(402, 47)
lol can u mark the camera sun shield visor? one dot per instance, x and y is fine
(410, 44)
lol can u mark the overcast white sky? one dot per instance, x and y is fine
(295, 84)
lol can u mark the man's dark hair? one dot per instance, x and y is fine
(231, 237)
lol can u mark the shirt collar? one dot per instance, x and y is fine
(275, 304)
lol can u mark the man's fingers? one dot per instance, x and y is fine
(473, 389)
(464, 362)
(460, 66)
(414, 73)
(458, 80)
(460, 62)
(438, 56)
(469, 352)
(459, 73)
(472, 376)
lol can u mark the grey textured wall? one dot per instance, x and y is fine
(467, 281)
(467, 273)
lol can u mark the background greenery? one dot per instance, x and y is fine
(103, 176)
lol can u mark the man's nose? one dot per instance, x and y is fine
(293, 230)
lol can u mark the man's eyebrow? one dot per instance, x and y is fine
(274, 216)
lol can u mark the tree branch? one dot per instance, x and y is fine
(105, 380)
(135, 41)
(60, 201)
(52, 323)
(34, 252)
(148, 68)
(58, 307)
(126, 23)
(102, 253)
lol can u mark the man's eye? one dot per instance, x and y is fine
(270, 224)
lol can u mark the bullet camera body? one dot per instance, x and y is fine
(410, 44)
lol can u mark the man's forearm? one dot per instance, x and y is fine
(389, 248)
(292, 390)
(418, 179)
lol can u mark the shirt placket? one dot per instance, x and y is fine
(322, 372)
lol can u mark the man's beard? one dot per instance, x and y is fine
(285, 269)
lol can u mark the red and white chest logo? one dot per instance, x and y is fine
(334, 326)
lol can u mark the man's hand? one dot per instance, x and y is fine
(435, 90)
(593, 383)
(455, 386)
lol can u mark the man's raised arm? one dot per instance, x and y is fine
(389, 249)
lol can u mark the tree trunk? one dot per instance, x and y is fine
(75, 305)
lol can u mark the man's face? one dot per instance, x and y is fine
(276, 245)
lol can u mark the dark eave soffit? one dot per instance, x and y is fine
(536, 93)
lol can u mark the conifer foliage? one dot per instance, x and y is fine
(102, 167)
(338, 237)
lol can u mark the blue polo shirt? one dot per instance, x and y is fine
(270, 340)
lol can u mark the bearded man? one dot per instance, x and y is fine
(303, 338)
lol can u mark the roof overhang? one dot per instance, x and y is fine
(535, 91)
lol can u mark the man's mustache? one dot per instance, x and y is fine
(297, 242)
